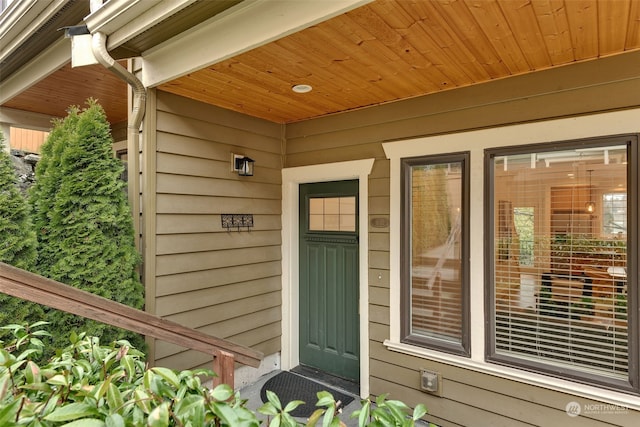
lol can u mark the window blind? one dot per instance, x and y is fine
(560, 260)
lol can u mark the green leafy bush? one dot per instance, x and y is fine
(93, 385)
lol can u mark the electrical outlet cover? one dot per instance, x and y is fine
(431, 382)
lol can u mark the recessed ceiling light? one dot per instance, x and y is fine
(301, 88)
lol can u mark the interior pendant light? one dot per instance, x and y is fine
(590, 205)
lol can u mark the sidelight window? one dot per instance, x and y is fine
(435, 285)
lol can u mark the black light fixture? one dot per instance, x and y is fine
(243, 165)
(590, 205)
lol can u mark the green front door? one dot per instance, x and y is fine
(329, 320)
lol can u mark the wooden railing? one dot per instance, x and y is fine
(28, 286)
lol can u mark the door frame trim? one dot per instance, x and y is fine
(291, 180)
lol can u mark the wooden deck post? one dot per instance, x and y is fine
(224, 367)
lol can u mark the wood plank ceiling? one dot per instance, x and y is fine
(74, 86)
(396, 49)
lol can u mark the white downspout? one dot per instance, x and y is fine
(99, 47)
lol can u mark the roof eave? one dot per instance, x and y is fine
(243, 27)
(22, 20)
(122, 20)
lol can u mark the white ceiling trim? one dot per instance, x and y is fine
(52, 59)
(26, 119)
(243, 27)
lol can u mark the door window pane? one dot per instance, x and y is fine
(332, 214)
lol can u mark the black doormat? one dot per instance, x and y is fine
(291, 387)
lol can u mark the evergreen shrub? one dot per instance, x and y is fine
(83, 221)
(17, 241)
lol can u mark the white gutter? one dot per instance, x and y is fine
(99, 47)
(122, 21)
(21, 20)
(115, 13)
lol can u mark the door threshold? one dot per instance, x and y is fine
(349, 386)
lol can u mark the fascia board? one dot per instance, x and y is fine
(141, 23)
(52, 59)
(248, 25)
(115, 14)
(22, 21)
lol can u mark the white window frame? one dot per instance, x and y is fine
(476, 141)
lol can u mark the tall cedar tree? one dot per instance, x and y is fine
(17, 242)
(43, 192)
(85, 228)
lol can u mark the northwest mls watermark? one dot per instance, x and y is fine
(575, 409)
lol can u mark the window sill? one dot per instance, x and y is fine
(538, 380)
